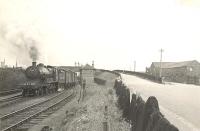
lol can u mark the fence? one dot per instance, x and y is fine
(142, 75)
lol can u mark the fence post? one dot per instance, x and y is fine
(105, 123)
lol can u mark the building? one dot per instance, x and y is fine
(182, 72)
(87, 73)
(73, 68)
(3, 64)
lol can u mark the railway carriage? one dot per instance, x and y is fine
(43, 80)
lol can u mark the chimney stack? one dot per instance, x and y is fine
(34, 63)
(92, 63)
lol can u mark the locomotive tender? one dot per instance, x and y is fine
(43, 79)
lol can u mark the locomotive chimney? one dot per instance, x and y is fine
(34, 63)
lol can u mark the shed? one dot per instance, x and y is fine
(87, 73)
(183, 72)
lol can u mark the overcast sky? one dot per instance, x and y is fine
(113, 33)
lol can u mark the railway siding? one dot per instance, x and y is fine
(9, 92)
(17, 118)
(9, 97)
(21, 102)
(10, 100)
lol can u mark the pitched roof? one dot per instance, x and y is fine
(73, 68)
(87, 66)
(175, 64)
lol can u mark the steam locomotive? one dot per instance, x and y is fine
(43, 80)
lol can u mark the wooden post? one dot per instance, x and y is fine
(0, 124)
(161, 51)
(105, 126)
(105, 123)
(65, 79)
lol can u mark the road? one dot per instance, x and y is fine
(180, 103)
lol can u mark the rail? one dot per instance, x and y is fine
(28, 107)
(11, 127)
(10, 98)
(3, 93)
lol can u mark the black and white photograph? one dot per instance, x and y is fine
(99, 65)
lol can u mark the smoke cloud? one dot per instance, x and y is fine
(20, 43)
(33, 52)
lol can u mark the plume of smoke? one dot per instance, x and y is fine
(33, 52)
(20, 43)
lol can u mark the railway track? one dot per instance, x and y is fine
(31, 115)
(3, 93)
(10, 100)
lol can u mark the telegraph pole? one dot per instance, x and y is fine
(16, 64)
(134, 65)
(161, 51)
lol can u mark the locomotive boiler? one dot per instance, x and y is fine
(43, 79)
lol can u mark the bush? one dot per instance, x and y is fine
(10, 77)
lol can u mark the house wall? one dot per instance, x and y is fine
(154, 71)
(193, 70)
(186, 74)
(88, 75)
(177, 74)
(193, 74)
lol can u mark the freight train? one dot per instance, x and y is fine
(43, 80)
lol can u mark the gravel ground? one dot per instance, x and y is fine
(89, 113)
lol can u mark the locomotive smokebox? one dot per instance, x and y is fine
(34, 63)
